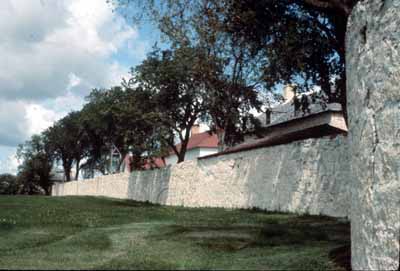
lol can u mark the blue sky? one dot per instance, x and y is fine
(53, 53)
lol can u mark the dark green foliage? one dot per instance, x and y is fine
(123, 119)
(8, 184)
(34, 174)
(175, 84)
(289, 41)
(300, 43)
(225, 71)
(68, 142)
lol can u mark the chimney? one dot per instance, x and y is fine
(268, 113)
(289, 91)
(195, 129)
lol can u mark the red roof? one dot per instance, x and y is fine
(149, 163)
(156, 162)
(201, 140)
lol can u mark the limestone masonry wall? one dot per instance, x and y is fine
(373, 86)
(308, 176)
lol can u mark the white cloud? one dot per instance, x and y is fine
(43, 42)
(53, 52)
(73, 81)
(8, 160)
(39, 118)
(13, 124)
(20, 119)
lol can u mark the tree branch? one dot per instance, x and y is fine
(330, 4)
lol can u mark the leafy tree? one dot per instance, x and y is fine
(119, 119)
(9, 184)
(222, 66)
(295, 41)
(68, 141)
(301, 42)
(175, 82)
(37, 159)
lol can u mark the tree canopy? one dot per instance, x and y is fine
(68, 142)
(34, 174)
(120, 120)
(293, 41)
(176, 89)
(9, 184)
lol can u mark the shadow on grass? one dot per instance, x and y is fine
(296, 232)
(6, 226)
(131, 203)
(342, 256)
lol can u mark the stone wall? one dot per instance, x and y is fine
(308, 176)
(115, 186)
(373, 73)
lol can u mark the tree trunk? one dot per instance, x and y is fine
(121, 161)
(67, 175)
(77, 169)
(184, 143)
(47, 190)
(67, 170)
(221, 140)
(182, 151)
(181, 156)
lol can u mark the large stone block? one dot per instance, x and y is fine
(373, 83)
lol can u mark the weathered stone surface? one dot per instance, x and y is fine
(308, 176)
(373, 74)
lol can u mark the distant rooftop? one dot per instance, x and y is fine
(285, 111)
(201, 140)
(316, 125)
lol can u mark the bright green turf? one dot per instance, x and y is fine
(99, 233)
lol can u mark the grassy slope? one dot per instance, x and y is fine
(98, 233)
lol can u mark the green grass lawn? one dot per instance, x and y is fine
(100, 233)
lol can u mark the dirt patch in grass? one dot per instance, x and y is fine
(342, 256)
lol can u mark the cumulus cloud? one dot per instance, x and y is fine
(39, 118)
(9, 165)
(20, 119)
(44, 41)
(53, 52)
(13, 122)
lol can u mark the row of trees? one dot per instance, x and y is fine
(222, 54)
(145, 116)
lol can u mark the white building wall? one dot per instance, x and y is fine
(190, 155)
(207, 151)
(171, 160)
